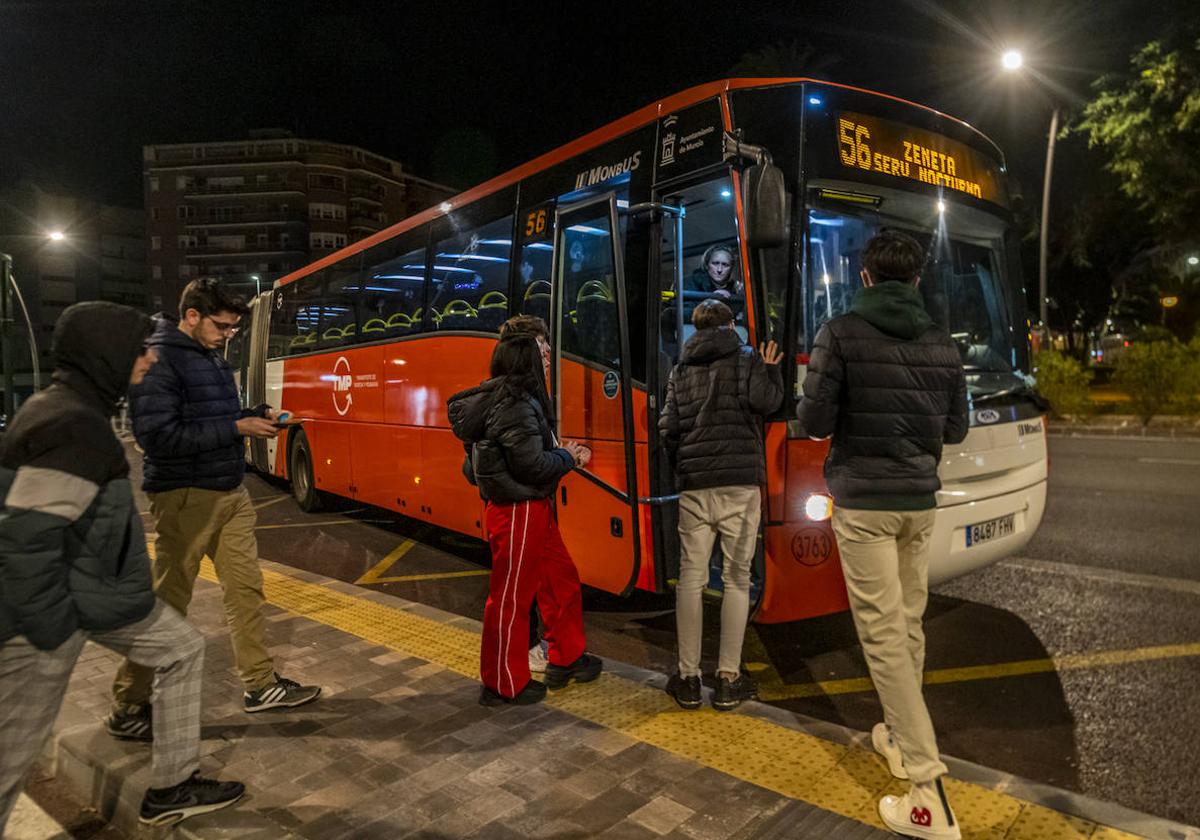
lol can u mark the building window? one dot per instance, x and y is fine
(326, 241)
(155, 243)
(184, 182)
(185, 211)
(154, 184)
(186, 272)
(154, 214)
(156, 272)
(186, 242)
(226, 243)
(327, 182)
(318, 210)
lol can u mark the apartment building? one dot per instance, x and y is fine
(251, 211)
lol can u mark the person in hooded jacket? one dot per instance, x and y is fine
(716, 397)
(514, 460)
(73, 566)
(189, 421)
(887, 385)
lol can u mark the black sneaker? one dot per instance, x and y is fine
(195, 795)
(584, 669)
(533, 692)
(282, 694)
(685, 691)
(731, 694)
(130, 723)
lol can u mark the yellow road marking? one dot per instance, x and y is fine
(845, 780)
(307, 524)
(376, 574)
(274, 501)
(774, 690)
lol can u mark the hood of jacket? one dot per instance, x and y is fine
(893, 308)
(468, 410)
(706, 346)
(95, 346)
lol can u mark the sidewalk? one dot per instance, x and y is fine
(1126, 425)
(398, 747)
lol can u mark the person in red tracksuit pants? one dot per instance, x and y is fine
(515, 461)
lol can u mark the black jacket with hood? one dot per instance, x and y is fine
(72, 548)
(716, 397)
(888, 385)
(511, 452)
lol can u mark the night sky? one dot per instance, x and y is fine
(461, 91)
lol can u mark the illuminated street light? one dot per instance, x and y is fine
(1193, 260)
(56, 236)
(1169, 301)
(941, 205)
(1012, 60)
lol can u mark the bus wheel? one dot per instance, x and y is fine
(301, 471)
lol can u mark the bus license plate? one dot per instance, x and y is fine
(992, 529)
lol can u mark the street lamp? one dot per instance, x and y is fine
(257, 284)
(1012, 61)
(9, 289)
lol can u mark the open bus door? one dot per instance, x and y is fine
(254, 384)
(597, 505)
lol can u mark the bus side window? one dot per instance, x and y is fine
(342, 293)
(534, 280)
(393, 287)
(296, 317)
(470, 278)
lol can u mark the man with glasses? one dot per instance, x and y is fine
(188, 419)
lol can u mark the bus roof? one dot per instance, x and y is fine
(588, 141)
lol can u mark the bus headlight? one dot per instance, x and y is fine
(818, 507)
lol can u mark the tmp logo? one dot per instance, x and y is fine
(342, 383)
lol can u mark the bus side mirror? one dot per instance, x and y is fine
(766, 206)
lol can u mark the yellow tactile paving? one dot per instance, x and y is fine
(846, 781)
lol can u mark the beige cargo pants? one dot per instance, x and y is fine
(885, 560)
(220, 523)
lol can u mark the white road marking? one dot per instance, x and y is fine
(1183, 462)
(1170, 584)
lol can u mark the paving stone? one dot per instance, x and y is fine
(661, 814)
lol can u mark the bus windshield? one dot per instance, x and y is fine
(964, 283)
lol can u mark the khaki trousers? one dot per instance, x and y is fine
(220, 523)
(734, 513)
(885, 560)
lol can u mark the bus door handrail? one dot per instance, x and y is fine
(679, 212)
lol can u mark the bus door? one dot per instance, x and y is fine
(705, 264)
(597, 505)
(254, 369)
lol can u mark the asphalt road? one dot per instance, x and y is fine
(1099, 614)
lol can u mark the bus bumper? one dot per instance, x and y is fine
(952, 556)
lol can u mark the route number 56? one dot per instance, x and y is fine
(852, 144)
(535, 223)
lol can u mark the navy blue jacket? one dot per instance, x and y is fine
(72, 550)
(185, 416)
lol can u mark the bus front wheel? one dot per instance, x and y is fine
(300, 468)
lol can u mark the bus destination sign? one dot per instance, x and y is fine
(902, 151)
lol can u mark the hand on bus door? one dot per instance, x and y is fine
(770, 353)
(258, 427)
(579, 452)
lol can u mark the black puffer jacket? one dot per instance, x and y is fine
(185, 415)
(511, 456)
(72, 549)
(888, 385)
(715, 397)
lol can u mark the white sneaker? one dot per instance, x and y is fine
(537, 658)
(922, 812)
(886, 746)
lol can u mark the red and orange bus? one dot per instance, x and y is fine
(602, 238)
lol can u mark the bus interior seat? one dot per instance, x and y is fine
(375, 325)
(399, 322)
(493, 309)
(458, 314)
(596, 321)
(537, 300)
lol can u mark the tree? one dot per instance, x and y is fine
(785, 58)
(1148, 124)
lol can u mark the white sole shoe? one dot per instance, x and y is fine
(883, 743)
(904, 818)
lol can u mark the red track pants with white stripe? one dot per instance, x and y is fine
(528, 559)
